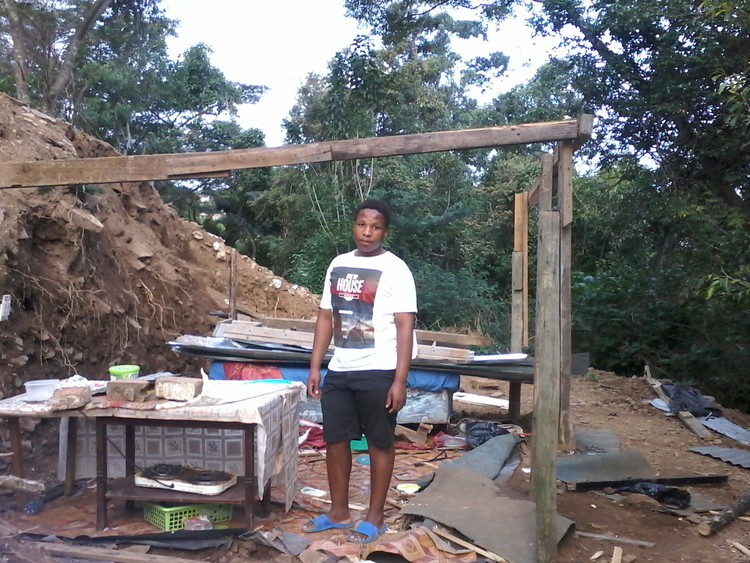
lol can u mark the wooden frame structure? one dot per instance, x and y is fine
(553, 194)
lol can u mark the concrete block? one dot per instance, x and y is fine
(127, 390)
(178, 388)
(67, 398)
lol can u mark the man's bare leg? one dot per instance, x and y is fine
(381, 470)
(339, 467)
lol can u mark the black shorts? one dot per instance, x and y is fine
(353, 403)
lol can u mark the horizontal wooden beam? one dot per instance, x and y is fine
(144, 168)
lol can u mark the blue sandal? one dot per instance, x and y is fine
(323, 522)
(364, 532)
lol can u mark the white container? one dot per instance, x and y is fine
(41, 389)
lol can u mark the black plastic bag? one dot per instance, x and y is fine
(668, 496)
(477, 433)
(682, 398)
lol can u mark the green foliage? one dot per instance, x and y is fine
(660, 278)
(661, 76)
(460, 299)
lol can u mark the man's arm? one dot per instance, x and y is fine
(404, 346)
(321, 342)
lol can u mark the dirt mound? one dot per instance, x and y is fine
(100, 275)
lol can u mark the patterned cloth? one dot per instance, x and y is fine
(274, 411)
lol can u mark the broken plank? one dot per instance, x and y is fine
(656, 385)
(273, 335)
(617, 554)
(443, 353)
(692, 423)
(615, 539)
(739, 547)
(483, 552)
(101, 554)
(451, 339)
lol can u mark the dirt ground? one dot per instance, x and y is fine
(103, 275)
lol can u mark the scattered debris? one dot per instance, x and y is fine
(19, 484)
(684, 416)
(483, 552)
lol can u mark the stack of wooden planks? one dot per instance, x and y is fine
(434, 345)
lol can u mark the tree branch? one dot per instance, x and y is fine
(19, 51)
(66, 69)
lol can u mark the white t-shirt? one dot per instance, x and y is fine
(363, 293)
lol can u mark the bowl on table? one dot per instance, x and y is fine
(40, 389)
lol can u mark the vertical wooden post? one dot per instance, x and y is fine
(519, 328)
(547, 386)
(233, 284)
(545, 184)
(564, 186)
(545, 204)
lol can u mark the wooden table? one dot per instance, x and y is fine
(126, 489)
(252, 409)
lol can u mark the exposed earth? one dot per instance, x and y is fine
(108, 274)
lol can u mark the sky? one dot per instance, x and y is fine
(277, 43)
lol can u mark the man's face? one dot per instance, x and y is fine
(369, 232)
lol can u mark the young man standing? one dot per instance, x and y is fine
(368, 307)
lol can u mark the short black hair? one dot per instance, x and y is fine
(378, 205)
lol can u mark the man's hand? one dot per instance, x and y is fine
(396, 397)
(313, 384)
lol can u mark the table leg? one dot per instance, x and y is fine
(265, 505)
(14, 426)
(249, 479)
(129, 459)
(70, 456)
(514, 398)
(101, 473)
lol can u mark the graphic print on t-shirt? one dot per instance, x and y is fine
(352, 298)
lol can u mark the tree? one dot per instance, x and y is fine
(46, 40)
(656, 73)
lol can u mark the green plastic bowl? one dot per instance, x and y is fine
(124, 372)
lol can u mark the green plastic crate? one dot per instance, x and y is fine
(173, 518)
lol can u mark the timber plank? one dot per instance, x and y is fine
(443, 353)
(142, 168)
(102, 554)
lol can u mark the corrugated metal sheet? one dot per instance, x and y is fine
(727, 428)
(735, 456)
